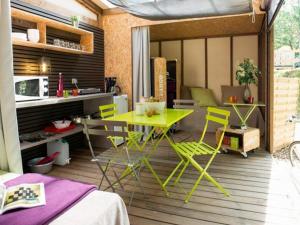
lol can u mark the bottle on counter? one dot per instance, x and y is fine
(60, 86)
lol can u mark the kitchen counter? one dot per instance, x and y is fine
(55, 100)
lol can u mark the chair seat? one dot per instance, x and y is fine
(136, 135)
(194, 148)
(120, 159)
(133, 135)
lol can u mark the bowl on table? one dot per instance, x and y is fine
(42, 168)
(62, 124)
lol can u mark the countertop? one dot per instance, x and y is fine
(56, 100)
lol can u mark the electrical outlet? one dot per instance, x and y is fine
(74, 81)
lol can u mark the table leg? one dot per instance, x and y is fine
(242, 118)
(153, 149)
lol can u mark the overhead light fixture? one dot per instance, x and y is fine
(45, 65)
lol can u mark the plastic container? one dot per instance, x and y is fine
(62, 147)
(234, 143)
(43, 168)
(140, 109)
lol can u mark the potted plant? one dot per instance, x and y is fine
(75, 21)
(247, 73)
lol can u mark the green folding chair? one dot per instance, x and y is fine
(187, 151)
(133, 138)
(118, 157)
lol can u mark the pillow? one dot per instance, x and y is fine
(185, 93)
(228, 91)
(203, 96)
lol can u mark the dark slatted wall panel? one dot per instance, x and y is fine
(33, 119)
(88, 69)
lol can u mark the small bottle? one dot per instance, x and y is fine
(60, 86)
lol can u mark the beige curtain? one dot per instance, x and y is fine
(10, 154)
(141, 63)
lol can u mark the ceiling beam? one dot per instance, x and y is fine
(91, 6)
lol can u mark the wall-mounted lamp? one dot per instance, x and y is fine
(45, 65)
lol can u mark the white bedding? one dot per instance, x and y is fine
(97, 208)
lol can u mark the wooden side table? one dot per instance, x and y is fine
(247, 139)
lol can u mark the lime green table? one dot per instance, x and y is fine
(163, 121)
(245, 117)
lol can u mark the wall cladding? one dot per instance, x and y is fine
(210, 62)
(88, 69)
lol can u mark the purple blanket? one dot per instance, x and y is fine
(60, 195)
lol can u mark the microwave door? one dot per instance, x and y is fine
(27, 89)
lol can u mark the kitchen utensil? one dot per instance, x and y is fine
(20, 36)
(56, 42)
(33, 35)
(48, 159)
(61, 124)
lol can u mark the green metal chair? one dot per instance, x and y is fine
(187, 151)
(133, 138)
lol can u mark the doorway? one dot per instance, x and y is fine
(286, 75)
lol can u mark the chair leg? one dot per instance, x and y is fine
(189, 195)
(217, 184)
(148, 165)
(106, 178)
(118, 179)
(181, 172)
(207, 176)
(172, 174)
(138, 181)
(106, 167)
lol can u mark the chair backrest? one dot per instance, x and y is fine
(184, 104)
(107, 110)
(219, 116)
(96, 127)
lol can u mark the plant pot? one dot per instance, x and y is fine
(247, 93)
(75, 23)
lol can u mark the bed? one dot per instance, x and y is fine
(96, 208)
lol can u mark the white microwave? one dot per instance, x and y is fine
(28, 88)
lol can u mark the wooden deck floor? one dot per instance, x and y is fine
(262, 191)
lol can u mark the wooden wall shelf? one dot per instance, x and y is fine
(86, 37)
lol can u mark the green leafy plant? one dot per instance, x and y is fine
(75, 18)
(247, 72)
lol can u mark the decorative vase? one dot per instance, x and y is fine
(247, 93)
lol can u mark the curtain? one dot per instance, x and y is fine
(141, 68)
(10, 154)
(182, 9)
(141, 63)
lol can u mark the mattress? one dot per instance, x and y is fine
(97, 208)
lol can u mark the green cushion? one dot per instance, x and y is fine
(203, 96)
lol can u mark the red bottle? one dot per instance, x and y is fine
(60, 86)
